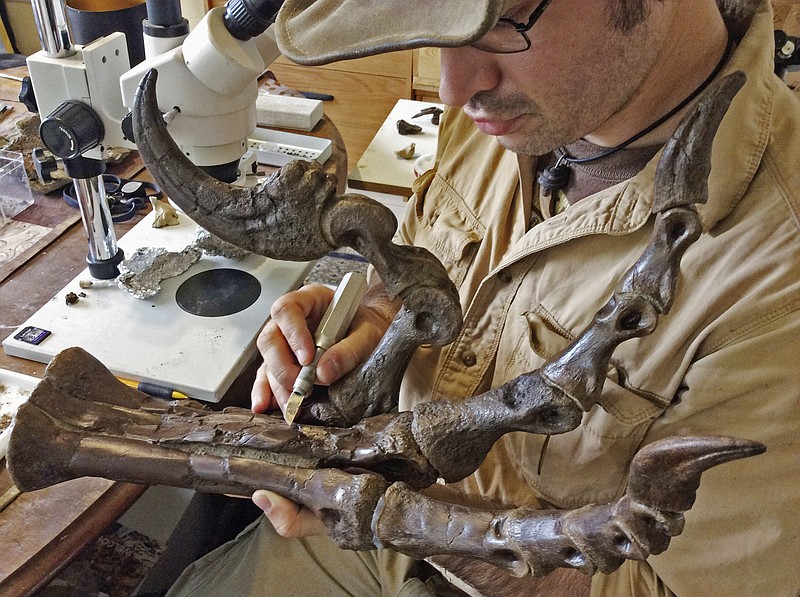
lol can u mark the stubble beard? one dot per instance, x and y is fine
(575, 115)
(537, 135)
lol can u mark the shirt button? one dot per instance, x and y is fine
(469, 358)
(504, 276)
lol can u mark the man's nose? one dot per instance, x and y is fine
(465, 72)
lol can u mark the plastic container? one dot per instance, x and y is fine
(15, 192)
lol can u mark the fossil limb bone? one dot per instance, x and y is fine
(78, 422)
(81, 421)
(78, 394)
(593, 538)
(646, 290)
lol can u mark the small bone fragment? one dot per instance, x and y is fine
(166, 214)
(434, 112)
(406, 128)
(407, 152)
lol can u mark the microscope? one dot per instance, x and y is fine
(207, 90)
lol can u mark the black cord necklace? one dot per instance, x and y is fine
(554, 178)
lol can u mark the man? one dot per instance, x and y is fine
(539, 202)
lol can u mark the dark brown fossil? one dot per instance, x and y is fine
(406, 128)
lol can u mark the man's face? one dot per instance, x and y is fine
(578, 73)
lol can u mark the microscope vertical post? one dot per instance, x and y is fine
(69, 131)
(51, 23)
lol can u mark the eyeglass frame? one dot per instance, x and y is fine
(521, 28)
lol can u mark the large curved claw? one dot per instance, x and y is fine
(296, 215)
(662, 482)
(280, 218)
(682, 174)
(666, 474)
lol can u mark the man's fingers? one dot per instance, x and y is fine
(364, 335)
(280, 393)
(287, 342)
(296, 314)
(280, 364)
(261, 398)
(288, 518)
(340, 359)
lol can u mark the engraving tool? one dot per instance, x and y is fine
(331, 329)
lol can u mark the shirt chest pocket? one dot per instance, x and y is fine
(538, 337)
(448, 229)
(589, 464)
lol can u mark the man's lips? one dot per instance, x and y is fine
(495, 125)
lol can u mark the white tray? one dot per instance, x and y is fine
(277, 148)
(154, 340)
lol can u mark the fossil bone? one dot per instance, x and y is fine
(81, 421)
(406, 128)
(165, 213)
(215, 246)
(407, 152)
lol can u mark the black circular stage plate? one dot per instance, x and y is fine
(218, 292)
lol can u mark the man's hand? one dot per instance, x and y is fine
(288, 518)
(287, 342)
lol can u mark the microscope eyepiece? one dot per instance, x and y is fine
(249, 18)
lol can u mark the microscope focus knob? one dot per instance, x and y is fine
(27, 97)
(72, 129)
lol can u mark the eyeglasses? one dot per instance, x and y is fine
(508, 36)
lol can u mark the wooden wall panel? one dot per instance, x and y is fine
(392, 64)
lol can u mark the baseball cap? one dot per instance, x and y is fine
(322, 31)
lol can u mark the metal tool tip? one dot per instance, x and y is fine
(292, 406)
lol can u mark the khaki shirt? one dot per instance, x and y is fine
(724, 361)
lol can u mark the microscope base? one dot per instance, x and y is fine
(105, 269)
